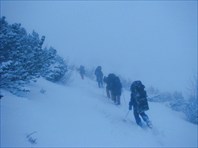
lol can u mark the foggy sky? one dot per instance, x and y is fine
(155, 42)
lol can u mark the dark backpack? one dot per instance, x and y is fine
(140, 96)
(110, 80)
(116, 86)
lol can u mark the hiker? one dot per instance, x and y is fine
(106, 80)
(139, 103)
(99, 76)
(82, 71)
(113, 88)
(116, 90)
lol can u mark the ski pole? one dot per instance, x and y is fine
(150, 98)
(126, 114)
(124, 98)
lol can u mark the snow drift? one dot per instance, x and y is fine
(80, 115)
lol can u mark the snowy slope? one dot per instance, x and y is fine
(80, 115)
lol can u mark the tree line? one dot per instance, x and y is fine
(23, 59)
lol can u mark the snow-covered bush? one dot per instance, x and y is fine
(192, 104)
(178, 103)
(154, 95)
(191, 110)
(55, 67)
(22, 59)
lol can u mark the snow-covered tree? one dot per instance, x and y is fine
(55, 68)
(192, 105)
(22, 58)
(20, 54)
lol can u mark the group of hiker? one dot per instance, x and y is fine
(138, 100)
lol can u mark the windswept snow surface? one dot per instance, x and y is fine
(80, 115)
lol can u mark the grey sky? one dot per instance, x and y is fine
(155, 42)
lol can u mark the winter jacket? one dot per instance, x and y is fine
(138, 98)
(109, 81)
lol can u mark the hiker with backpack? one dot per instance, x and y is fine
(139, 103)
(116, 90)
(108, 80)
(82, 71)
(99, 76)
(113, 87)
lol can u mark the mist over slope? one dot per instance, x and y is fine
(147, 40)
(155, 42)
(80, 115)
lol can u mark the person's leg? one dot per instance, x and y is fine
(82, 76)
(113, 97)
(118, 99)
(144, 116)
(146, 119)
(98, 83)
(98, 80)
(108, 93)
(101, 82)
(137, 118)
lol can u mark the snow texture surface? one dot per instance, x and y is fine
(80, 115)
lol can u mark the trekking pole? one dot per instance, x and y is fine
(124, 98)
(150, 98)
(126, 116)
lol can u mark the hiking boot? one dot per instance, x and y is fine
(149, 124)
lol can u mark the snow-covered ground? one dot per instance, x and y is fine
(80, 115)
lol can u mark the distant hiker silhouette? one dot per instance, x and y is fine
(99, 76)
(82, 71)
(113, 88)
(139, 103)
